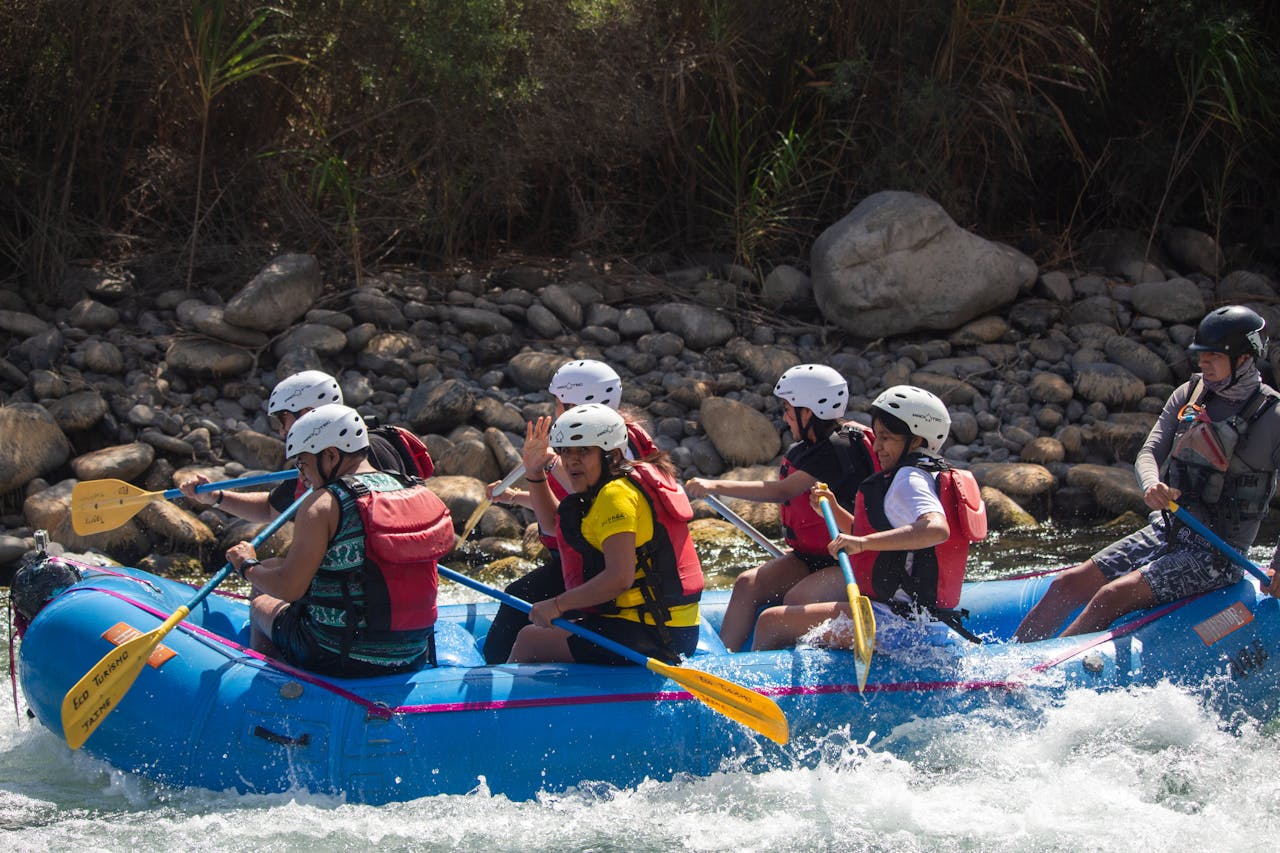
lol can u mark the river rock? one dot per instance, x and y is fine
(255, 450)
(699, 327)
(1017, 479)
(1109, 384)
(441, 406)
(324, 340)
(178, 529)
(1115, 488)
(1004, 513)
(32, 444)
(279, 294)
(1176, 300)
(207, 359)
(209, 320)
(532, 370)
(91, 315)
(741, 435)
(1192, 250)
(121, 462)
(898, 263)
(78, 411)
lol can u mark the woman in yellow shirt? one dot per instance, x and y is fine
(630, 570)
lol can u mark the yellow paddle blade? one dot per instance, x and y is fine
(100, 505)
(754, 710)
(864, 632)
(95, 695)
(472, 521)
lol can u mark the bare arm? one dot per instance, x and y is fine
(537, 453)
(926, 531)
(762, 491)
(289, 577)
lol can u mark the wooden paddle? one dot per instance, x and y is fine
(102, 687)
(101, 505)
(483, 507)
(1218, 542)
(742, 524)
(741, 704)
(864, 619)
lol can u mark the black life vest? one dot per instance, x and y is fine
(805, 530)
(930, 577)
(668, 573)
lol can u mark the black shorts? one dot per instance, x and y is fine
(814, 562)
(644, 639)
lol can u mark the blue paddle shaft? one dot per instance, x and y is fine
(833, 531)
(263, 535)
(255, 480)
(1232, 554)
(522, 605)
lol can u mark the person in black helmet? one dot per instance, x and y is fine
(1215, 450)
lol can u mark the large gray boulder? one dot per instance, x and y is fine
(283, 291)
(898, 263)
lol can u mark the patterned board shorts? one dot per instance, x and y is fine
(1187, 566)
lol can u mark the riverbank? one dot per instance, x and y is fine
(1051, 394)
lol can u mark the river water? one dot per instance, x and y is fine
(1146, 769)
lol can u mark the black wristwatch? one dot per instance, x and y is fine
(246, 565)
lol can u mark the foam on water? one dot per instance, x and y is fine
(1146, 768)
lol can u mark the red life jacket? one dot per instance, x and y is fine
(405, 533)
(671, 572)
(935, 575)
(414, 456)
(805, 530)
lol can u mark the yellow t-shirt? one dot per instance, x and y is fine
(620, 507)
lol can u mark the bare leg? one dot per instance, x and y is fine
(1125, 594)
(541, 645)
(823, 585)
(780, 627)
(1069, 590)
(263, 610)
(761, 585)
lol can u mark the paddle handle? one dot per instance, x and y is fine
(255, 480)
(1231, 553)
(743, 525)
(506, 482)
(524, 606)
(833, 531)
(263, 535)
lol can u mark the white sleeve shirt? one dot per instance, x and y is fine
(912, 493)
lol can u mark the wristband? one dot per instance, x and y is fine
(246, 565)
(535, 479)
(222, 493)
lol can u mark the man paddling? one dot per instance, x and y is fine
(1215, 449)
(356, 593)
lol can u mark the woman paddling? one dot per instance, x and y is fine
(630, 571)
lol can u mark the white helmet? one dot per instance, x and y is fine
(586, 381)
(332, 425)
(923, 413)
(592, 425)
(816, 387)
(304, 390)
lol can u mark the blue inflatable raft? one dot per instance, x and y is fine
(209, 713)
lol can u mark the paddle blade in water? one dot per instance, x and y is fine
(472, 521)
(95, 695)
(741, 704)
(101, 505)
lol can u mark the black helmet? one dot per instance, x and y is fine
(1233, 330)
